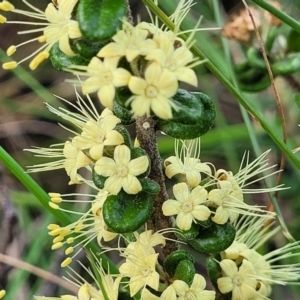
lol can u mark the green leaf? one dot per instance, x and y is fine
(60, 60)
(186, 235)
(127, 213)
(173, 260)
(185, 271)
(214, 239)
(87, 49)
(126, 135)
(288, 65)
(194, 116)
(99, 20)
(149, 186)
(214, 269)
(98, 180)
(293, 41)
(120, 110)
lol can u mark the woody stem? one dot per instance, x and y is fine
(146, 135)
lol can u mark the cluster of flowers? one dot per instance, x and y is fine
(166, 59)
(156, 59)
(219, 193)
(57, 26)
(203, 192)
(246, 273)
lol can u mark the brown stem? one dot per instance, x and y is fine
(145, 129)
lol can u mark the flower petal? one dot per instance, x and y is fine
(201, 212)
(184, 221)
(122, 155)
(171, 207)
(138, 165)
(131, 185)
(181, 192)
(106, 95)
(105, 166)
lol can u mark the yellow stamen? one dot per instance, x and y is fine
(65, 232)
(56, 200)
(58, 238)
(78, 227)
(53, 205)
(66, 262)
(38, 60)
(70, 240)
(69, 250)
(42, 39)
(57, 246)
(52, 226)
(55, 232)
(54, 195)
(11, 50)
(2, 19)
(6, 6)
(2, 293)
(10, 65)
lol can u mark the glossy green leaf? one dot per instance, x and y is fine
(214, 269)
(185, 271)
(61, 61)
(214, 239)
(149, 186)
(194, 116)
(186, 235)
(173, 260)
(99, 20)
(127, 213)
(86, 48)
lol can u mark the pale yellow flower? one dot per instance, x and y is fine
(251, 234)
(96, 131)
(122, 171)
(129, 42)
(238, 280)
(153, 93)
(186, 162)
(56, 26)
(168, 294)
(188, 206)
(229, 202)
(88, 291)
(228, 196)
(140, 268)
(2, 293)
(150, 239)
(89, 226)
(196, 291)
(178, 60)
(104, 78)
(74, 160)
(96, 134)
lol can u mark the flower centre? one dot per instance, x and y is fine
(146, 272)
(187, 207)
(122, 171)
(237, 280)
(187, 169)
(100, 139)
(151, 91)
(106, 77)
